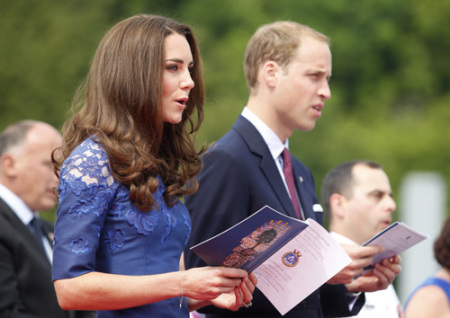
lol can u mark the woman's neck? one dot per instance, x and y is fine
(444, 274)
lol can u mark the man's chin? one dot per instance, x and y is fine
(307, 128)
(46, 206)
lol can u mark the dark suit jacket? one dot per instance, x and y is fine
(239, 177)
(26, 286)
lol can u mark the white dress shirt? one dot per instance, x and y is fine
(273, 142)
(380, 304)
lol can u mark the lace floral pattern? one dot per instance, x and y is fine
(98, 229)
(86, 176)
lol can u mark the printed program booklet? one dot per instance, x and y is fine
(291, 258)
(395, 239)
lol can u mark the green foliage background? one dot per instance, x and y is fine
(390, 85)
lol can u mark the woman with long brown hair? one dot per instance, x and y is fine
(128, 155)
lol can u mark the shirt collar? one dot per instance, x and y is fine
(16, 204)
(274, 143)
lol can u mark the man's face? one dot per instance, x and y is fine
(35, 178)
(369, 210)
(303, 87)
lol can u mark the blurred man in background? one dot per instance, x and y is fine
(357, 200)
(27, 181)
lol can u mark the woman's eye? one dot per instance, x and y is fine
(173, 67)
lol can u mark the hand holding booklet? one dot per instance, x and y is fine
(291, 258)
(395, 239)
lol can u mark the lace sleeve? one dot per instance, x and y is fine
(86, 192)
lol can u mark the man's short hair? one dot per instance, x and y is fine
(278, 42)
(340, 180)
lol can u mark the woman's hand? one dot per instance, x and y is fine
(242, 295)
(224, 287)
(206, 283)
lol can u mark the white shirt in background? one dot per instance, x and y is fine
(380, 304)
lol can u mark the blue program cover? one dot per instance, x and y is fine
(249, 243)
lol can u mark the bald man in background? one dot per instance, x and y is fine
(27, 181)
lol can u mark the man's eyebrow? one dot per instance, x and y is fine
(376, 191)
(316, 70)
(324, 72)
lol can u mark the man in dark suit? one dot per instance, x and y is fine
(27, 181)
(287, 67)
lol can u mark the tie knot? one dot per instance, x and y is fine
(35, 221)
(35, 227)
(286, 157)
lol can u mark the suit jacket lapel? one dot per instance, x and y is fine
(268, 167)
(18, 225)
(304, 187)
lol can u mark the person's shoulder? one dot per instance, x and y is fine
(432, 292)
(431, 297)
(88, 153)
(91, 143)
(90, 147)
(300, 165)
(222, 155)
(4, 214)
(229, 144)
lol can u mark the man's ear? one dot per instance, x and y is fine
(270, 73)
(337, 205)
(8, 164)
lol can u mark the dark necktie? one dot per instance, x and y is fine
(288, 175)
(36, 230)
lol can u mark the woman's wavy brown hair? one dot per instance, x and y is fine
(120, 103)
(442, 246)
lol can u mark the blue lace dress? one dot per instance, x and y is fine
(99, 229)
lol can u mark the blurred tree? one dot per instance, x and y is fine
(390, 84)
